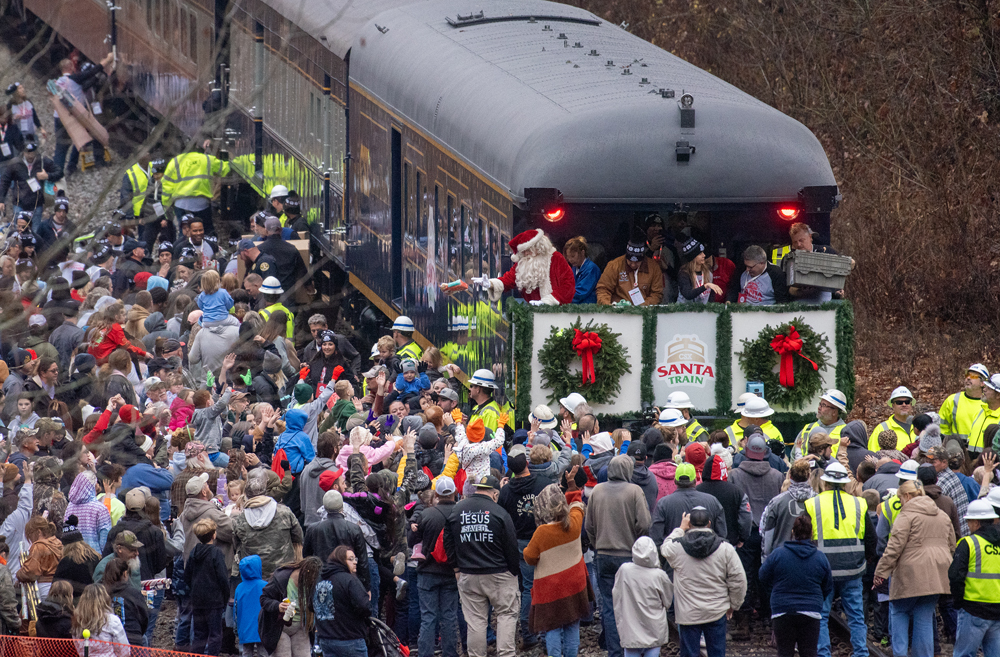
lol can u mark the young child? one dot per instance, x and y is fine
(344, 408)
(207, 426)
(26, 416)
(247, 606)
(642, 595)
(410, 383)
(207, 579)
(214, 302)
(109, 478)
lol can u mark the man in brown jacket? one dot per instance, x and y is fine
(632, 277)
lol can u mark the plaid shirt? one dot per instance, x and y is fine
(952, 486)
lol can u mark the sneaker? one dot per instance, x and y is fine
(399, 564)
(401, 586)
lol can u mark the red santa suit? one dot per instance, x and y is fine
(540, 273)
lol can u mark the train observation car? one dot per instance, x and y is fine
(469, 125)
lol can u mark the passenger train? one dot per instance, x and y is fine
(424, 134)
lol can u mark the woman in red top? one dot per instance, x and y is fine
(109, 335)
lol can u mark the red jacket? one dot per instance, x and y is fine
(109, 340)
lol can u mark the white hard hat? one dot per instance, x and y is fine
(375, 350)
(994, 496)
(979, 369)
(900, 392)
(837, 398)
(483, 378)
(980, 510)
(403, 323)
(678, 399)
(757, 407)
(278, 191)
(546, 419)
(908, 471)
(743, 400)
(993, 383)
(835, 473)
(271, 285)
(571, 401)
(671, 417)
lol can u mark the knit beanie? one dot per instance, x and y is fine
(931, 437)
(302, 392)
(427, 437)
(333, 501)
(887, 439)
(662, 452)
(475, 431)
(694, 454)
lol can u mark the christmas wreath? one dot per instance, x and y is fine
(799, 353)
(600, 352)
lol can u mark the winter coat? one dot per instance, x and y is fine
(341, 604)
(207, 577)
(54, 621)
(798, 576)
(209, 348)
(94, 519)
(479, 538)
(735, 504)
(670, 510)
(431, 524)
(269, 530)
(779, 516)
(310, 494)
(642, 595)
(80, 575)
(883, 479)
(312, 410)
(130, 607)
(10, 617)
(43, 559)
(857, 448)
(207, 425)
(196, 509)
(111, 633)
(759, 482)
(15, 177)
(561, 593)
(553, 470)
(617, 280)
(475, 457)
(270, 622)
(646, 480)
(664, 473)
(593, 466)
(323, 537)
(617, 512)
(709, 579)
(153, 554)
(946, 504)
(156, 327)
(246, 604)
(296, 443)
(919, 551)
(518, 498)
(180, 414)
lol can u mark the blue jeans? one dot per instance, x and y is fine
(438, 607)
(642, 652)
(920, 610)
(339, 648)
(563, 641)
(527, 581)
(715, 638)
(153, 614)
(219, 459)
(851, 598)
(413, 600)
(974, 632)
(183, 633)
(607, 568)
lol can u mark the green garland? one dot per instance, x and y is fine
(610, 364)
(758, 361)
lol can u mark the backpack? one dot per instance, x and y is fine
(439, 554)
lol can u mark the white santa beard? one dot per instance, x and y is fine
(532, 270)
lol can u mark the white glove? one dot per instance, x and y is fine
(483, 282)
(536, 302)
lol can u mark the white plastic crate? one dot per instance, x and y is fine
(822, 270)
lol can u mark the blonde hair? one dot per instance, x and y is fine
(341, 388)
(229, 283)
(689, 268)
(433, 357)
(210, 281)
(92, 611)
(618, 437)
(910, 489)
(577, 244)
(386, 343)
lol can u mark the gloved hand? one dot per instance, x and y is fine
(537, 302)
(483, 282)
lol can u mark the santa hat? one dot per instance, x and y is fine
(525, 241)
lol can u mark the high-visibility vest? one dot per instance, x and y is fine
(489, 413)
(735, 432)
(890, 509)
(985, 418)
(290, 324)
(191, 174)
(982, 582)
(958, 412)
(778, 254)
(839, 531)
(903, 437)
(694, 430)
(410, 350)
(139, 180)
(833, 433)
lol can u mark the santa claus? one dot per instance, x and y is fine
(540, 273)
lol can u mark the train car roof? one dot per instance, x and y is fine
(540, 94)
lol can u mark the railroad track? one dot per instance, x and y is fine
(840, 633)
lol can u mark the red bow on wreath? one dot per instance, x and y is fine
(586, 345)
(789, 346)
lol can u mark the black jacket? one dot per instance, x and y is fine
(130, 606)
(518, 499)
(47, 234)
(80, 575)
(430, 525)
(341, 604)
(54, 621)
(207, 577)
(321, 370)
(291, 268)
(153, 554)
(323, 537)
(959, 569)
(731, 499)
(16, 175)
(480, 539)
(270, 621)
(13, 137)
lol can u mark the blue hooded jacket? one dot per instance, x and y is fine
(799, 577)
(296, 443)
(247, 603)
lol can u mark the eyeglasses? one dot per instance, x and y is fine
(903, 402)
(354, 559)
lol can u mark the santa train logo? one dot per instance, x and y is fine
(686, 363)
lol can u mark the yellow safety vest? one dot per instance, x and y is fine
(410, 350)
(283, 219)
(958, 412)
(695, 430)
(985, 418)
(735, 432)
(290, 324)
(982, 582)
(190, 174)
(839, 530)
(903, 437)
(890, 509)
(778, 254)
(834, 433)
(489, 413)
(139, 180)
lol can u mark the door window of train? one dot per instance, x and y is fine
(440, 231)
(495, 251)
(484, 247)
(421, 219)
(193, 23)
(454, 265)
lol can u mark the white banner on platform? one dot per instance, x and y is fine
(685, 358)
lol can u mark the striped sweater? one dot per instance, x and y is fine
(561, 593)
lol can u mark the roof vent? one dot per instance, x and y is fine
(562, 35)
(578, 45)
(611, 62)
(626, 71)
(532, 20)
(666, 93)
(546, 28)
(644, 81)
(593, 53)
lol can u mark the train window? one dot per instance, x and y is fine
(421, 231)
(193, 31)
(440, 231)
(484, 248)
(453, 228)
(184, 40)
(460, 270)
(495, 249)
(408, 232)
(149, 14)
(470, 239)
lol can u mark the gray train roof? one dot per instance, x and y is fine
(528, 110)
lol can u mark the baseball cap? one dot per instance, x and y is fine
(245, 245)
(449, 394)
(128, 538)
(131, 244)
(445, 486)
(637, 450)
(196, 483)
(36, 320)
(329, 477)
(757, 448)
(135, 500)
(685, 472)
(488, 482)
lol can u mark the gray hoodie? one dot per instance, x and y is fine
(206, 423)
(617, 513)
(209, 348)
(857, 449)
(310, 493)
(156, 327)
(642, 595)
(759, 482)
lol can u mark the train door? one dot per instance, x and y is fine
(396, 201)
